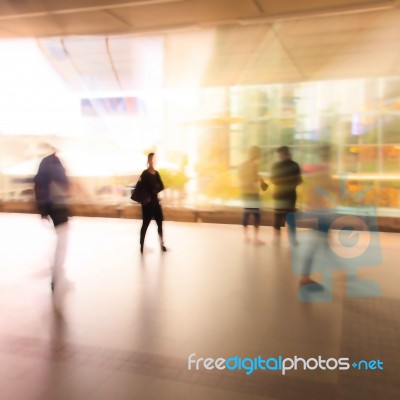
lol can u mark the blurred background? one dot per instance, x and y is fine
(199, 83)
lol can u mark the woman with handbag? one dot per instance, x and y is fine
(150, 184)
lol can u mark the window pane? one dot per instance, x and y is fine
(361, 159)
(389, 195)
(391, 158)
(391, 128)
(361, 128)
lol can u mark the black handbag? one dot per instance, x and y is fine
(139, 193)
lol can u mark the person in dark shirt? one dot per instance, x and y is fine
(286, 176)
(51, 187)
(151, 207)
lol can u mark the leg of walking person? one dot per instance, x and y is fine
(246, 215)
(59, 216)
(291, 224)
(60, 285)
(147, 215)
(245, 223)
(319, 240)
(256, 203)
(278, 222)
(257, 221)
(60, 253)
(159, 217)
(309, 259)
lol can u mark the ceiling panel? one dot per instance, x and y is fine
(396, 65)
(184, 66)
(54, 52)
(361, 65)
(139, 62)
(7, 34)
(84, 71)
(57, 25)
(377, 37)
(290, 6)
(385, 20)
(92, 63)
(316, 40)
(232, 56)
(8, 7)
(82, 17)
(31, 27)
(188, 12)
(12, 7)
(335, 25)
(368, 43)
(284, 73)
(317, 48)
(76, 4)
(244, 40)
(89, 23)
(88, 64)
(86, 46)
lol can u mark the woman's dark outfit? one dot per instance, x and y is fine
(152, 185)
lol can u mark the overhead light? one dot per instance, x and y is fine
(111, 6)
(320, 13)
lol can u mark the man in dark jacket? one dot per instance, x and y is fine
(286, 176)
(51, 186)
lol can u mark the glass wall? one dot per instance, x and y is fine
(201, 136)
(354, 125)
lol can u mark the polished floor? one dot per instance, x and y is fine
(127, 325)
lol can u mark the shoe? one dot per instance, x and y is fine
(163, 248)
(312, 287)
(141, 248)
(309, 281)
(52, 286)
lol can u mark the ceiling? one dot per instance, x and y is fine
(40, 18)
(123, 44)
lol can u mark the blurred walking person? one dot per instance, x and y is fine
(251, 182)
(52, 186)
(149, 185)
(320, 192)
(286, 176)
